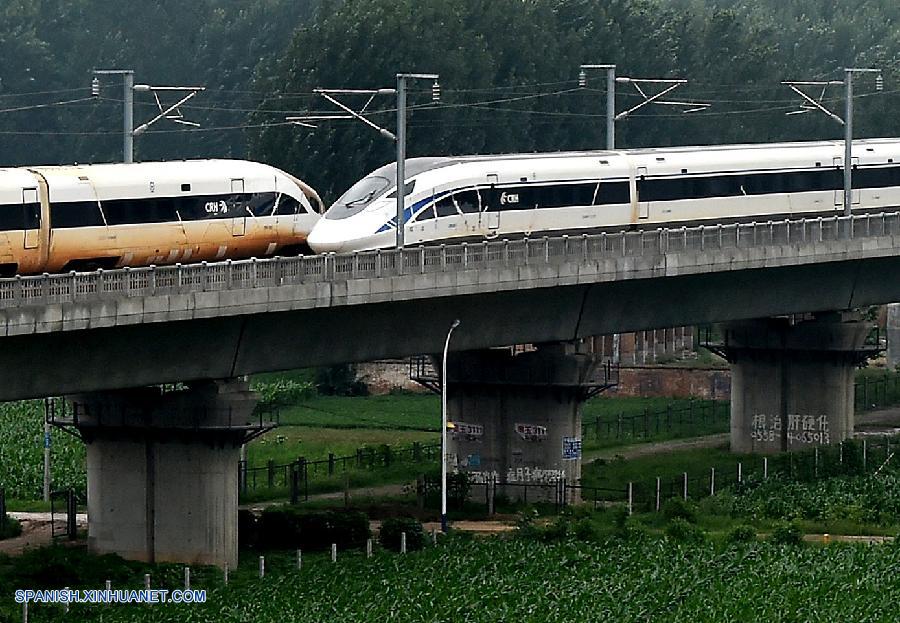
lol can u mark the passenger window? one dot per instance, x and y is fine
(426, 214)
(446, 207)
(467, 201)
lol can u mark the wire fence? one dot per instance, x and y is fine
(875, 392)
(851, 458)
(695, 418)
(296, 474)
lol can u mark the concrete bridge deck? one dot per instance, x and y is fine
(125, 328)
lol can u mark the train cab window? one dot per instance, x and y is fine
(467, 201)
(425, 215)
(259, 204)
(76, 214)
(446, 207)
(407, 190)
(288, 206)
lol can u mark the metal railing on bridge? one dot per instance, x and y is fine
(514, 254)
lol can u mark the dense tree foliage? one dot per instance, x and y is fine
(50, 47)
(508, 72)
(735, 53)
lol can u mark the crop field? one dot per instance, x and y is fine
(518, 580)
(22, 452)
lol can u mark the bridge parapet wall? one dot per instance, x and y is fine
(76, 301)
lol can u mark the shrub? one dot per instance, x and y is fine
(9, 527)
(248, 528)
(391, 529)
(340, 380)
(283, 392)
(290, 528)
(585, 529)
(787, 534)
(741, 534)
(677, 508)
(682, 531)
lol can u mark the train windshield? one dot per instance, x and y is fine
(376, 184)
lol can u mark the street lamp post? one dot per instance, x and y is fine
(444, 526)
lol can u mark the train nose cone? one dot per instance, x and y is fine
(326, 237)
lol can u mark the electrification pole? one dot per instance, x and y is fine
(127, 106)
(811, 103)
(399, 138)
(129, 88)
(610, 99)
(640, 85)
(401, 143)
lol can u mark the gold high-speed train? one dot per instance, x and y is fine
(65, 218)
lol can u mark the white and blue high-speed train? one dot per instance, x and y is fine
(472, 198)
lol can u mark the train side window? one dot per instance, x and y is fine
(613, 192)
(425, 215)
(445, 207)
(75, 214)
(19, 216)
(467, 201)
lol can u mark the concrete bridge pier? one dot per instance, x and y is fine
(162, 470)
(517, 417)
(792, 383)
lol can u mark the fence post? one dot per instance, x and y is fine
(25, 612)
(417, 452)
(403, 542)
(657, 493)
(295, 482)
(597, 428)
(300, 559)
(224, 574)
(712, 481)
(765, 468)
(187, 578)
(334, 552)
(270, 473)
(491, 484)
(71, 508)
(147, 581)
(359, 459)
(816, 462)
(262, 567)
(865, 455)
(740, 473)
(685, 486)
(331, 463)
(630, 497)
(368, 548)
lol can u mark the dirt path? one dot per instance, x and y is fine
(355, 494)
(658, 447)
(36, 531)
